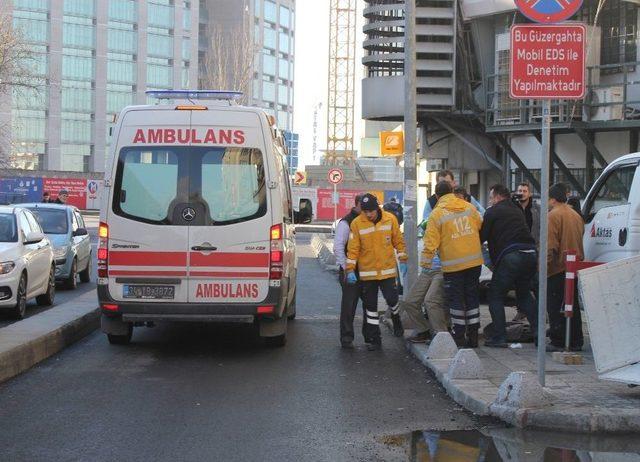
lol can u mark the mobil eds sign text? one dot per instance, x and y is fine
(548, 61)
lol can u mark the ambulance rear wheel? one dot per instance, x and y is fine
(292, 308)
(121, 339)
(276, 342)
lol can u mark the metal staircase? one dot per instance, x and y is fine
(436, 36)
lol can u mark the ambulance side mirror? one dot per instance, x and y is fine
(123, 196)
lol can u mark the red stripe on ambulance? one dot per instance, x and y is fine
(231, 260)
(135, 258)
(147, 273)
(229, 275)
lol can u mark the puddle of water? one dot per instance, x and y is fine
(510, 445)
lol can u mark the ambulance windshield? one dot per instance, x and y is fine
(221, 185)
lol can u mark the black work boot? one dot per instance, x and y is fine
(458, 337)
(398, 330)
(374, 346)
(472, 337)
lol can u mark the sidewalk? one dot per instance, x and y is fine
(573, 400)
(25, 343)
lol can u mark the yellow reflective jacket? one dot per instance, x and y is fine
(453, 230)
(371, 247)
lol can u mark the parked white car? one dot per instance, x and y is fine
(27, 266)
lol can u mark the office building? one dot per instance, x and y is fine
(270, 26)
(291, 139)
(93, 58)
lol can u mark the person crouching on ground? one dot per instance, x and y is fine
(375, 236)
(453, 230)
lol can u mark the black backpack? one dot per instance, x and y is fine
(396, 209)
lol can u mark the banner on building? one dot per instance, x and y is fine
(18, 190)
(346, 201)
(77, 188)
(391, 143)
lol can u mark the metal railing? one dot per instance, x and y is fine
(612, 94)
(580, 174)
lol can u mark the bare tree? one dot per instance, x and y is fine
(229, 60)
(17, 73)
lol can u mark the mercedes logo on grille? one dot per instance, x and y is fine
(188, 214)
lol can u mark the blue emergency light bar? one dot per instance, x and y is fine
(196, 94)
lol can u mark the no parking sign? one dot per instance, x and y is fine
(548, 11)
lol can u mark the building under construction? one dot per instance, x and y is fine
(469, 124)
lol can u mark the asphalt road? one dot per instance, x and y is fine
(183, 392)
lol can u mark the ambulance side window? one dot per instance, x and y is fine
(613, 191)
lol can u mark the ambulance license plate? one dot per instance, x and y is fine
(149, 292)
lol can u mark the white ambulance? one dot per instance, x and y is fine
(612, 212)
(196, 220)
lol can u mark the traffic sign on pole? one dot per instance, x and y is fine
(548, 11)
(335, 176)
(300, 178)
(548, 61)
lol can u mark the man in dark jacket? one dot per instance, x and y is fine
(530, 209)
(350, 292)
(514, 258)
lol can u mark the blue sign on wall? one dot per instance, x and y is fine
(397, 194)
(17, 190)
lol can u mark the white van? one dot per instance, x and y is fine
(612, 212)
(196, 220)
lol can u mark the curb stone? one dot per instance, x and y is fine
(479, 397)
(323, 250)
(30, 341)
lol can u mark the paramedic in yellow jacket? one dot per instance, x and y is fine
(374, 239)
(453, 230)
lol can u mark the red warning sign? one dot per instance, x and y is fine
(548, 61)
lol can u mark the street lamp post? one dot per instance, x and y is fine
(410, 136)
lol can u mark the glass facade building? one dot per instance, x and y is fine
(272, 29)
(291, 139)
(93, 58)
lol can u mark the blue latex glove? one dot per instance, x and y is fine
(424, 270)
(403, 269)
(351, 278)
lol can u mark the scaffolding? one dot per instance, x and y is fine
(342, 61)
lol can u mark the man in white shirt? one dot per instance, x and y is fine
(350, 292)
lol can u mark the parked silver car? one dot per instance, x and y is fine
(65, 228)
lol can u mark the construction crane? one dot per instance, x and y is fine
(342, 63)
(316, 110)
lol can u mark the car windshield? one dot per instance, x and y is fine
(53, 221)
(8, 231)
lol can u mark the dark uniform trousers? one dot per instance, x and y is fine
(461, 292)
(371, 328)
(350, 295)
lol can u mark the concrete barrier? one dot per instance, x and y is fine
(27, 342)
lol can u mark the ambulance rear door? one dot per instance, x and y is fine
(147, 236)
(229, 191)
